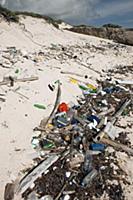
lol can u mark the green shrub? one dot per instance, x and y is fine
(13, 16)
(8, 15)
(111, 26)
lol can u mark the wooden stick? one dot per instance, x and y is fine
(58, 96)
(64, 186)
(72, 73)
(60, 193)
(113, 119)
(120, 111)
(6, 82)
(29, 179)
(124, 82)
(117, 145)
(106, 112)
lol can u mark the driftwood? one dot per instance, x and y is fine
(43, 122)
(124, 82)
(106, 112)
(117, 145)
(64, 186)
(6, 82)
(72, 73)
(9, 191)
(29, 179)
(100, 137)
(113, 119)
(120, 111)
(60, 193)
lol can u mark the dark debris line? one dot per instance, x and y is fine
(107, 183)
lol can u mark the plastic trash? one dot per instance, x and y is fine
(32, 196)
(66, 197)
(88, 89)
(91, 118)
(92, 87)
(104, 102)
(39, 106)
(124, 82)
(74, 81)
(97, 147)
(46, 144)
(51, 87)
(16, 71)
(110, 130)
(63, 107)
(70, 116)
(83, 87)
(87, 166)
(60, 121)
(77, 140)
(94, 122)
(89, 178)
(110, 90)
(47, 197)
(35, 142)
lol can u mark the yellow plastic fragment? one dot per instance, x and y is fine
(90, 86)
(74, 81)
(50, 125)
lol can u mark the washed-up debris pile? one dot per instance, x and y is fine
(126, 70)
(75, 158)
(79, 145)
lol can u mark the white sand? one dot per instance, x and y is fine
(16, 129)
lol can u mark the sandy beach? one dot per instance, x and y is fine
(38, 53)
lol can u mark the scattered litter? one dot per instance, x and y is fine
(16, 71)
(46, 197)
(72, 146)
(66, 197)
(12, 80)
(51, 87)
(40, 106)
(71, 73)
(124, 82)
(63, 107)
(111, 131)
(89, 178)
(97, 147)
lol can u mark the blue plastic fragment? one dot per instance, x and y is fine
(109, 90)
(97, 147)
(112, 89)
(74, 121)
(91, 118)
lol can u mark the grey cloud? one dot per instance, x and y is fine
(73, 10)
(116, 8)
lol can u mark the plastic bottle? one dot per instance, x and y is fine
(87, 166)
(89, 178)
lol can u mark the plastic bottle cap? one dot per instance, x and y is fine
(63, 107)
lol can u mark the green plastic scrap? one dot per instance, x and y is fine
(82, 87)
(46, 144)
(39, 106)
(58, 81)
(125, 112)
(35, 142)
(16, 71)
(85, 88)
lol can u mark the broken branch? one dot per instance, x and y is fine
(6, 82)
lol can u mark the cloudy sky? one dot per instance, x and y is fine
(91, 12)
